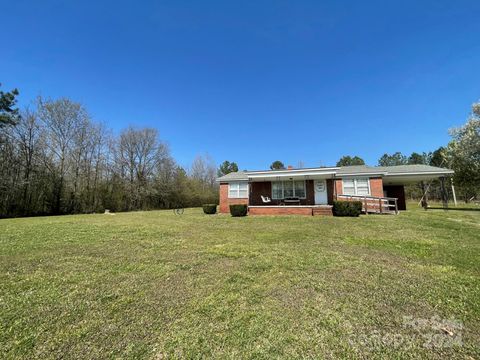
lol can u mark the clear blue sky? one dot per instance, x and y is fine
(255, 81)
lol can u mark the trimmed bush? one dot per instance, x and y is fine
(347, 208)
(238, 210)
(210, 208)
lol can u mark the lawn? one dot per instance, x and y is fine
(156, 285)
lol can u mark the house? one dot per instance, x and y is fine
(311, 191)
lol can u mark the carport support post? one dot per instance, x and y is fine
(444, 192)
(424, 196)
(453, 192)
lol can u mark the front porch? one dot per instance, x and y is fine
(307, 196)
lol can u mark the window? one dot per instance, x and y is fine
(299, 189)
(288, 189)
(349, 186)
(238, 190)
(284, 189)
(277, 190)
(356, 186)
(363, 187)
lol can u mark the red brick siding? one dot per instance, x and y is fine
(279, 211)
(225, 202)
(376, 187)
(338, 187)
(324, 211)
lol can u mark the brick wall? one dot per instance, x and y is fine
(225, 202)
(265, 210)
(376, 187)
(338, 187)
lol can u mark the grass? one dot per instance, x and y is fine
(155, 285)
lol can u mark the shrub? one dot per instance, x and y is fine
(238, 210)
(347, 208)
(210, 208)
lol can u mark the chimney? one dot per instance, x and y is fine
(289, 167)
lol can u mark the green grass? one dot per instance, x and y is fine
(155, 285)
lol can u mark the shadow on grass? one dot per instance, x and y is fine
(453, 208)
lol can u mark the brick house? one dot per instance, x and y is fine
(311, 191)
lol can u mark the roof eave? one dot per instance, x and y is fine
(293, 171)
(220, 180)
(274, 174)
(362, 174)
(445, 172)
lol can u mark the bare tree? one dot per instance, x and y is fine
(56, 159)
(204, 170)
(139, 155)
(28, 136)
(63, 120)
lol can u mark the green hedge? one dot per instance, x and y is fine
(210, 208)
(347, 208)
(238, 210)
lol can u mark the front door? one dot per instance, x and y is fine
(321, 192)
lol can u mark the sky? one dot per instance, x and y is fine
(254, 81)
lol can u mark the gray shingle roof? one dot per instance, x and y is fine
(399, 169)
(415, 169)
(357, 170)
(239, 175)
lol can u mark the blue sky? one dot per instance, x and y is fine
(255, 81)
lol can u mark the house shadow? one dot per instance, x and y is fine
(453, 208)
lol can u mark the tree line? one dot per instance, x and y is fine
(55, 159)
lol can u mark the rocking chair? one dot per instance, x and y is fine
(265, 199)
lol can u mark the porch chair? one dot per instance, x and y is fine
(265, 199)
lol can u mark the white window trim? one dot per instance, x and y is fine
(283, 189)
(355, 186)
(237, 190)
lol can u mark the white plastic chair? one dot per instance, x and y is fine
(265, 199)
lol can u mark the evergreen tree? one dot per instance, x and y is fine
(227, 167)
(349, 161)
(277, 165)
(8, 113)
(392, 160)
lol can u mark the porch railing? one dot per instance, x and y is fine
(374, 204)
